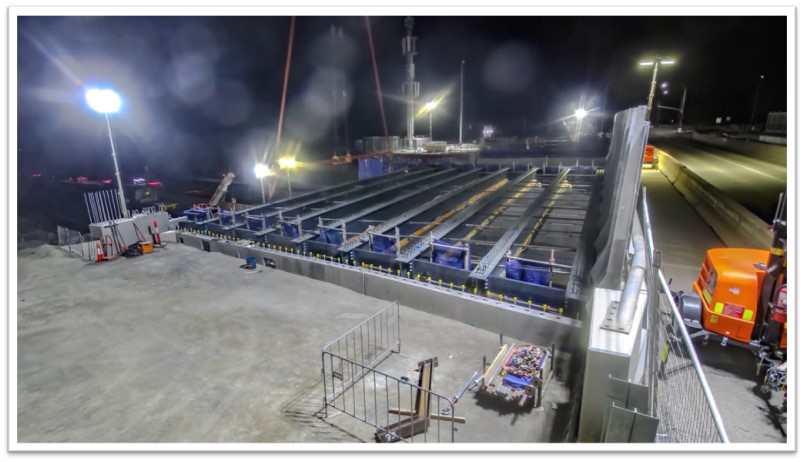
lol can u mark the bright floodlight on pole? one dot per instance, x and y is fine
(655, 63)
(580, 113)
(430, 107)
(288, 164)
(107, 102)
(261, 171)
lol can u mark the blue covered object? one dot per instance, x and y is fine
(227, 217)
(289, 229)
(528, 272)
(255, 222)
(330, 236)
(536, 274)
(515, 381)
(369, 168)
(382, 244)
(513, 270)
(448, 256)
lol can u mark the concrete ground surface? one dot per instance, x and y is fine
(182, 345)
(684, 238)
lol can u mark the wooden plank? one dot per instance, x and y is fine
(433, 416)
(487, 376)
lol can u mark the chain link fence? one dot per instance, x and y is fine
(75, 243)
(680, 395)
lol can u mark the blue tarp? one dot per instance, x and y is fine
(528, 272)
(536, 274)
(255, 222)
(448, 256)
(382, 244)
(330, 236)
(513, 270)
(227, 217)
(515, 381)
(369, 168)
(289, 229)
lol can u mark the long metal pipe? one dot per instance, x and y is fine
(117, 169)
(636, 276)
(460, 117)
(696, 363)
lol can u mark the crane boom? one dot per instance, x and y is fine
(222, 188)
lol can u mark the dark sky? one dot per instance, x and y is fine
(202, 94)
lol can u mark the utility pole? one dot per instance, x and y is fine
(756, 97)
(410, 88)
(652, 89)
(681, 111)
(460, 117)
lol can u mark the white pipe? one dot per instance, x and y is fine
(710, 400)
(633, 285)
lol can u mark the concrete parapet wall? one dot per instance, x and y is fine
(735, 225)
(533, 326)
(746, 147)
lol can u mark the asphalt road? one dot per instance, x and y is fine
(748, 415)
(754, 181)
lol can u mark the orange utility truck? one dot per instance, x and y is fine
(741, 296)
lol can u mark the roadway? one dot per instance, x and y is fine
(684, 238)
(754, 180)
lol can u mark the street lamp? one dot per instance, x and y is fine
(655, 63)
(261, 171)
(580, 113)
(288, 164)
(679, 109)
(430, 107)
(107, 102)
(756, 95)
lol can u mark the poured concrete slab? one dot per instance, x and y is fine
(182, 345)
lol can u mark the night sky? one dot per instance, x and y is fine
(202, 94)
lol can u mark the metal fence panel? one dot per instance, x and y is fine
(680, 394)
(354, 387)
(75, 243)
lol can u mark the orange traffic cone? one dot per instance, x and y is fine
(99, 251)
(156, 234)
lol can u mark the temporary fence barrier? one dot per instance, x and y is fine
(680, 395)
(75, 243)
(353, 385)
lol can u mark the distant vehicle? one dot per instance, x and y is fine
(155, 183)
(81, 179)
(139, 181)
(36, 175)
(106, 181)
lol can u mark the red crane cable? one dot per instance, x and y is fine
(285, 85)
(272, 185)
(376, 78)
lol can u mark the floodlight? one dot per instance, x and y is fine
(104, 101)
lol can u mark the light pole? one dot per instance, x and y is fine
(261, 171)
(756, 96)
(580, 113)
(430, 108)
(288, 164)
(680, 109)
(460, 118)
(108, 102)
(655, 63)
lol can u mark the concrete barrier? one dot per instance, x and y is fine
(735, 225)
(534, 326)
(763, 150)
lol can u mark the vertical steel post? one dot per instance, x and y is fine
(681, 110)
(652, 88)
(460, 117)
(117, 169)
(86, 202)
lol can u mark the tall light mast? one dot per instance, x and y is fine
(410, 88)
